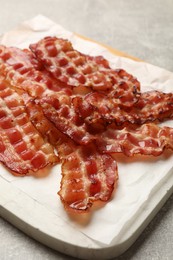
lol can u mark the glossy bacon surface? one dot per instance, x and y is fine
(61, 113)
(63, 144)
(151, 106)
(148, 139)
(24, 71)
(77, 69)
(22, 149)
(87, 175)
(74, 119)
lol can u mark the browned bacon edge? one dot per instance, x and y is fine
(87, 175)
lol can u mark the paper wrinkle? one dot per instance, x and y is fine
(137, 179)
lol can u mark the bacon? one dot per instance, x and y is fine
(24, 71)
(60, 112)
(87, 175)
(151, 106)
(22, 149)
(148, 139)
(60, 141)
(81, 122)
(77, 69)
(21, 69)
(84, 109)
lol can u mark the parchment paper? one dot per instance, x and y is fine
(138, 179)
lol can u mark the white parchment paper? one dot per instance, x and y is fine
(138, 179)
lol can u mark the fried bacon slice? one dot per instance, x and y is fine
(87, 175)
(22, 149)
(60, 112)
(22, 70)
(50, 133)
(69, 115)
(151, 106)
(148, 139)
(77, 69)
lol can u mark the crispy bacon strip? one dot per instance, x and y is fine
(60, 112)
(151, 106)
(77, 69)
(69, 117)
(148, 139)
(21, 69)
(87, 175)
(22, 149)
(24, 71)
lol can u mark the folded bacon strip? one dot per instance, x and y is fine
(22, 149)
(87, 175)
(148, 139)
(76, 69)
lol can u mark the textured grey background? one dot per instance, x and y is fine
(141, 28)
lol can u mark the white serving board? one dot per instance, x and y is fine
(32, 205)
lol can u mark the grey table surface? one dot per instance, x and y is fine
(140, 28)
